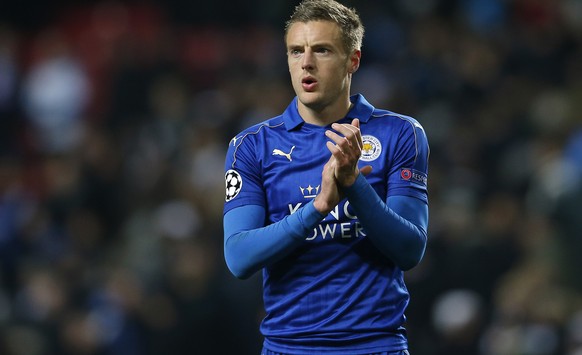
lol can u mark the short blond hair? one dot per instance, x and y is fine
(348, 20)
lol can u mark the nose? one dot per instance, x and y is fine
(308, 60)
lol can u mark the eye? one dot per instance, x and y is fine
(322, 50)
(294, 52)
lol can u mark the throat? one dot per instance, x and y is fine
(323, 115)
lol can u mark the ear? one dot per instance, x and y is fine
(354, 62)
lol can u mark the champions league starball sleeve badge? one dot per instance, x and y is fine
(233, 184)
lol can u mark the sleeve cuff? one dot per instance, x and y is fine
(305, 220)
(357, 187)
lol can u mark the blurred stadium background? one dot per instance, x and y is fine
(114, 121)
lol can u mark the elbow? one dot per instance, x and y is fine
(409, 263)
(236, 267)
(414, 253)
(239, 273)
(238, 262)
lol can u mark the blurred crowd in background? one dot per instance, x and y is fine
(115, 119)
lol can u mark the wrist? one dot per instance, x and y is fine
(357, 185)
(322, 206)
(347, 182)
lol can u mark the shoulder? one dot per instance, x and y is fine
(396, 119)
(375, 115)
(398, 129)
(255, 131)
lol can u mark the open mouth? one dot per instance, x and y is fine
(308, 83)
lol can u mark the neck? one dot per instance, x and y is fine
(325, 115)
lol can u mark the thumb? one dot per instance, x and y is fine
(366, 170)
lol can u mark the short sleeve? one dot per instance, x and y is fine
(408, 173)
(242, 177)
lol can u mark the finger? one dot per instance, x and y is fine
(328, 169)
(356, 123)
(347, 141)
(334, 149)
(351, 132)
(346, 134)
(357, 132)
(341, 141)
(357, 138)
(366, 170)
(345, 129)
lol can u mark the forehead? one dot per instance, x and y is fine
(313, 32)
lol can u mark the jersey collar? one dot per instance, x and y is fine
(361, 109)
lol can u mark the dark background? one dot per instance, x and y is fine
(114, 122)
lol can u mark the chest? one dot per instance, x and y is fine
(292, 167)
(292, 171)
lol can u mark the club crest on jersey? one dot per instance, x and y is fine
(233, 184)
(371, 149)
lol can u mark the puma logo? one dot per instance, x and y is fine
(283, 154)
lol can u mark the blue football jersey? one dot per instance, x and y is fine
(336, 291)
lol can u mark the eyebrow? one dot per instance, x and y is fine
(315, 44)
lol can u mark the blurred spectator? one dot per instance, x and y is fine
(114, 118)
(55, 94)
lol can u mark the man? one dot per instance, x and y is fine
(332, 238)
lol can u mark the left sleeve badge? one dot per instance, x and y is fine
(233, 183)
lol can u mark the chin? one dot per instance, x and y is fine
(310, 99)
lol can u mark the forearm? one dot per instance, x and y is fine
(400, 234)
(250, 246)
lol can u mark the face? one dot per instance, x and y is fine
(320, 68)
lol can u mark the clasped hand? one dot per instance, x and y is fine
(341, 170)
